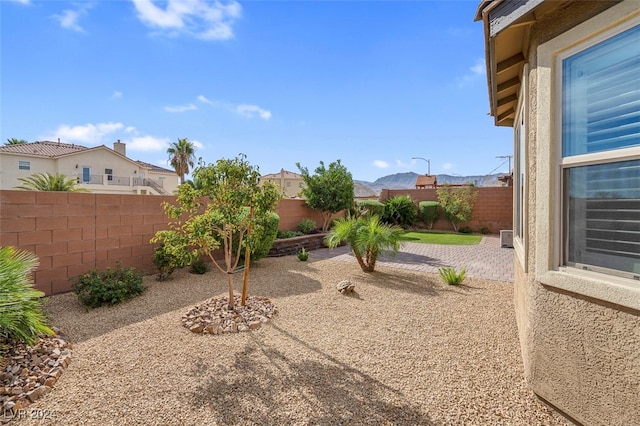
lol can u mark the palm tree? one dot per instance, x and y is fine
(181, 157)
(367, 237)
(49, 182)
(15, 141)
(21, 314)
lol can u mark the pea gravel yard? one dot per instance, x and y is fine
(403, 349)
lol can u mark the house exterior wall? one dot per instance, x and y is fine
(9, 171)
(580, 337)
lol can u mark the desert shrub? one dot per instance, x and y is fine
(198, 266)
(306, 226)
(263, 236)
(465, 230)
(484, 230)
(303, 254)
(110, 287)
(168, 259)
(288, 234)
(457, 204)
(371, 207)
(21, 316)
(400, 210)
(451, 277)
(429, 212)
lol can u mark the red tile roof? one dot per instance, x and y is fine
(43, 149)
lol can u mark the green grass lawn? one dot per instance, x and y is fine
(429, 237)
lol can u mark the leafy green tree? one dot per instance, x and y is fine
(182, 157)
(230, 206)
(328, 190)
(456, 203)
(21, 314)
(367, 236)
(48, 182)
(429, 211)
(14, 141)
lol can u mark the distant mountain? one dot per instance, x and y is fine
(408, 181)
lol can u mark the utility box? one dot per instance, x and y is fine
(506, 238)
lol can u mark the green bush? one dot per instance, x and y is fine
(199, 266)
(371, 207)
(400, 210)
(465, 230)
(451, 277)
(484, 230)
(168, 260)
(110, 287)
(429, 212)
(263, 236)
(21, 316)
(307, 226)
(288, 234)
(303, 254)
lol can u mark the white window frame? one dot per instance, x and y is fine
(549, 268)
(520, 148)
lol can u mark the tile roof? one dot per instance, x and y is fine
(287, 175)
(153, 167)
(43, 149)
(426, 180)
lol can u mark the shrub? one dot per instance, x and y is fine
(429, 212)
(465, 230)
(457, 204)
(169, 259)
(400, 210)
(484, 230)
(306, 226)
(21, 316)
(199, 266)
(371, 207)
(451, 277)
(303, 254)
(264, 234)
(288, 234)
(110, 287)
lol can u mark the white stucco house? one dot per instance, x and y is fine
(565, 74)
(99, 169)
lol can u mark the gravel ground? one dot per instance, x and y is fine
(403, 349)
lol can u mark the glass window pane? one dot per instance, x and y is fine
(601, 96)
(603, 215)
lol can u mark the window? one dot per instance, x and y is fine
(24, 165)
(109, 173)
(288, 184)
(600, 160)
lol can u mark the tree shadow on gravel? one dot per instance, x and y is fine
(265, 387)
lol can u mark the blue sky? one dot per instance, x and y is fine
(373, 83)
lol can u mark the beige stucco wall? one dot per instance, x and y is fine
(581, 352)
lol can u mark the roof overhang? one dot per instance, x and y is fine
(506, 31)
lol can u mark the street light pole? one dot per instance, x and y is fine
(428, 164)
(506, 156)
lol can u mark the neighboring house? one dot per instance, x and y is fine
(426, 181)
(566, 76)
(99, 169)
(290, 183)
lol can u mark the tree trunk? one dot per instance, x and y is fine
(245, 278)
(231, 299)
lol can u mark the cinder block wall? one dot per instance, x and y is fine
(493, 207)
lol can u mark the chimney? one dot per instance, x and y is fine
(120, 148)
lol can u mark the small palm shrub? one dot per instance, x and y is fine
(306, 226)
(429, 212)
(21, 316)
(400, 210)
(303, 254)
(451, 277)
(199, 267)
(110, 287)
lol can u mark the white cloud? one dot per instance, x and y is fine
(92, 134)
(147, 143)
(204, 100)
(448, 166)
(476, 72)
(69, 18)
(404, 165)
(116, 95)
(380, 164)
(202, 19)
(251, 111)
(197, 144)
(180, 108)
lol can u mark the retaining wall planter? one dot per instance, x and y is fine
(289, 246)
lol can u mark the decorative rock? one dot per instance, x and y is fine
(345, 286)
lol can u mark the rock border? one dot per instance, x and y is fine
(32, 371)
(214, 317)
